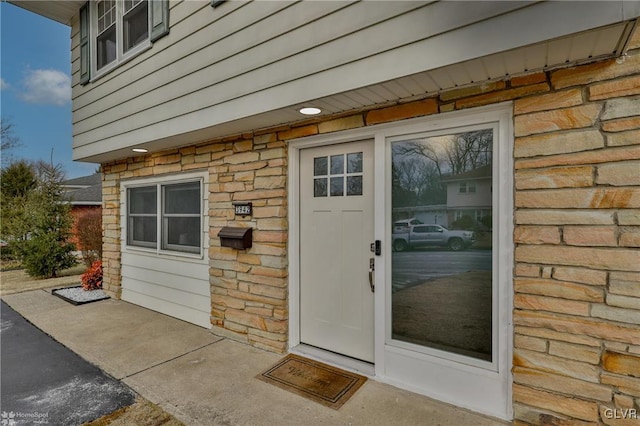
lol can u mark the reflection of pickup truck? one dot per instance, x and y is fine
(432, 235)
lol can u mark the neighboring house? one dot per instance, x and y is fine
(84, 195)
(195, 111)
(469, 194)
(436, 214)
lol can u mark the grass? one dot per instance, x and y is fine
(15, 265)
(142, 413)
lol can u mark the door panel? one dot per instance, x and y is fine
(336, 229)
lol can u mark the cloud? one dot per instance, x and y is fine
(3, 84)
(49, 87)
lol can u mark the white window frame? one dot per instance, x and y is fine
(121, 55)
(160, 183)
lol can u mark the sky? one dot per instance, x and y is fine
(35, 87)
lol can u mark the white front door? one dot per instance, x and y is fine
(336, 230)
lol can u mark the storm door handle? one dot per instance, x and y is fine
(372, 268)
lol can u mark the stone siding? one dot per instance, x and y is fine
(577, 231)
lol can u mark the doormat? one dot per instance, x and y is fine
(322, 383)
(77, 296)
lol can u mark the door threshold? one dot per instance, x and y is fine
(334, 359)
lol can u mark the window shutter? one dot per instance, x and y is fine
(159, 18)
(85, 54)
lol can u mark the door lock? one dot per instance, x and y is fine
(376, 247)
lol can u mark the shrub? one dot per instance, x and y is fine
(465, 222)
(89, 232)
(92, 278)
(44, 255)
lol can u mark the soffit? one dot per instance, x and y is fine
(575, 49)
(599, 43)
(59, 11)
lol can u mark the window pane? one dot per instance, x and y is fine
(142, 231)
(107, 47)
(354, 162)
(106, 14)
(337, 164)
(320, 166)
(143, 200)
(135, 26)
(337, 186)
(320, 187)
(182, 198)
(442, 290)
(182, 231)
(354, 185)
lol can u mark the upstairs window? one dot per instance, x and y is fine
(471, 187)
(120, 27)
(113, 31)
(467, 187)
(106, 38)
(135, 23)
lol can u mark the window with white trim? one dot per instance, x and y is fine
(166, 216)
(119, 27)
(113, 31)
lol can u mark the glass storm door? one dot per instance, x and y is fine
(336, 230)
(442, 281)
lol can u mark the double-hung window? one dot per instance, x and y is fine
(165, 216)
(113, 31)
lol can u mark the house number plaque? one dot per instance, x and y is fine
(243, 209)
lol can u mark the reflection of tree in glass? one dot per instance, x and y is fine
(419, 164)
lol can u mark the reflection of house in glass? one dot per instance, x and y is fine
(469, 194)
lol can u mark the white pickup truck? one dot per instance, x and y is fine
(431, 235)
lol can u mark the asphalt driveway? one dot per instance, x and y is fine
(43, 382)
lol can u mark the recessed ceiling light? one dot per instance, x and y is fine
(310, 111)
(139, 150)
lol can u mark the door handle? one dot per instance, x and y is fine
(372, 267)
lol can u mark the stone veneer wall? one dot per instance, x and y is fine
(577, 233)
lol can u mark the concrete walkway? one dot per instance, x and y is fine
(204, 380)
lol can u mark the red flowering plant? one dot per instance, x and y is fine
(92, 278)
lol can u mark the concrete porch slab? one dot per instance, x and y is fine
(205, 380)
(216, 385)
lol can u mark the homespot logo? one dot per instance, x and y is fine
(621, 413)
(13, 418)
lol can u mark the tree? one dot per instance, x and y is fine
(419, 165)
(8, 140)
(17, 180)
(47, 250)
(16, 183)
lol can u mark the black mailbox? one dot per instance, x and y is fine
(239, 238)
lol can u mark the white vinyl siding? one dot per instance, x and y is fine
(169, 275)
(175, 287)
(245, 58)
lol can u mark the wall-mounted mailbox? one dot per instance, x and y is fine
(238, 238)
